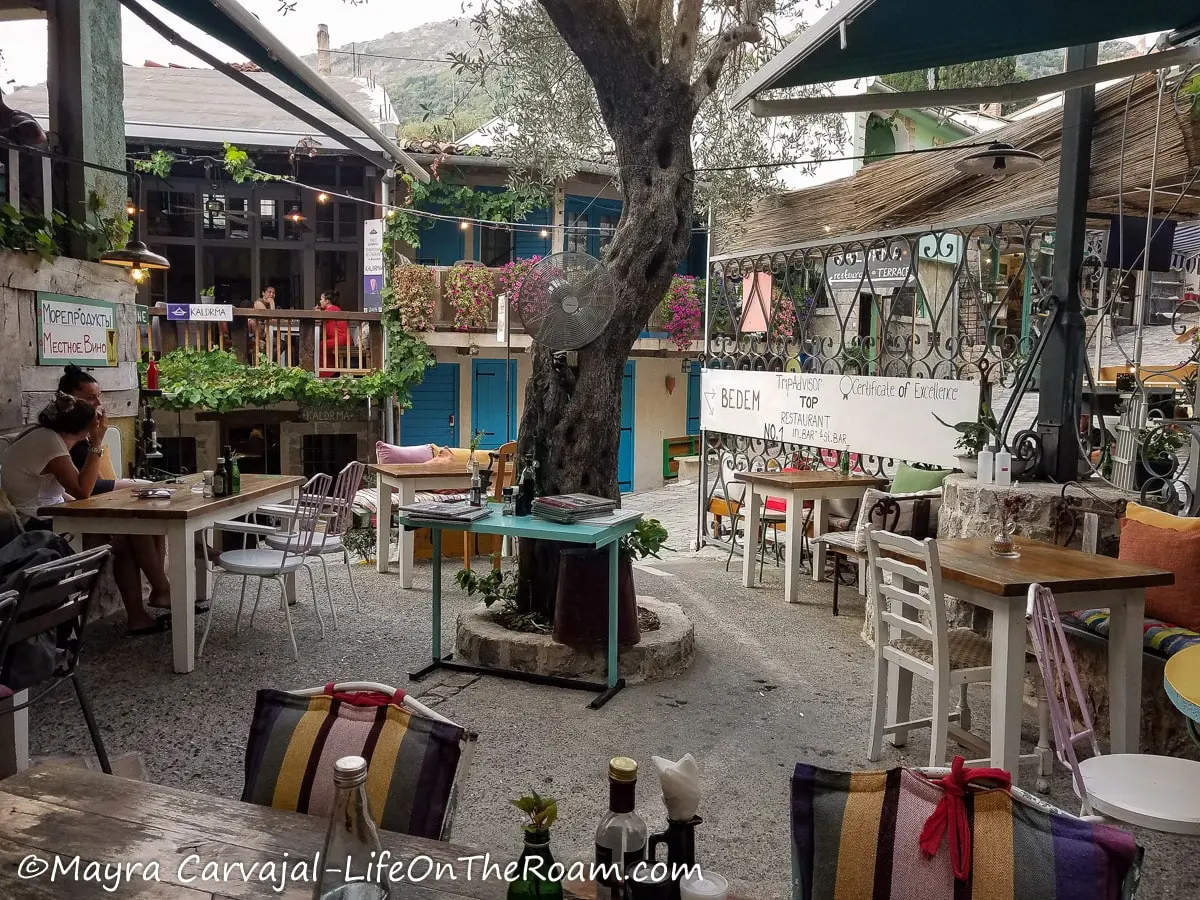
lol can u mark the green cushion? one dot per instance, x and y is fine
(910, 481)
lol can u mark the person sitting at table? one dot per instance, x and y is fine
(258, 334)
(334, 334)
(37, 471)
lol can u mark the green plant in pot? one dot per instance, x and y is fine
(973, 437)
(1158, 445)
(581, 607)
(536, 867)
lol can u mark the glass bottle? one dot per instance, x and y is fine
(218, 484)
(527, 490)
(532, 868)
(235, 476)
(228, 457)
(352, 847)
(476, 495)
(510, 501)
(621, 836)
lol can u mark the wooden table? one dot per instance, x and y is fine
(75, 812)
(795, 488)
(602, 532)
(1079, 581)
(179, 519)
(408, 479)
(1181, 678)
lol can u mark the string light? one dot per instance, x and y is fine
(545, 232)
(322, 197)
(130, 209)
(464, 225)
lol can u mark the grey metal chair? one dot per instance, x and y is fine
(53, 599)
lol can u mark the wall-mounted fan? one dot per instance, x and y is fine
(566, 300)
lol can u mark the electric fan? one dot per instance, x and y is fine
(566, 300)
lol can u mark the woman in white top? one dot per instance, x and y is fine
(37, 471)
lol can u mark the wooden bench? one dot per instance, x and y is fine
(675, 447)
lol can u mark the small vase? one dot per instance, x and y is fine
(536, 886)
(1003, 544)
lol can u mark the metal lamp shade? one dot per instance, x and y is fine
(998, 161)
(135, 254)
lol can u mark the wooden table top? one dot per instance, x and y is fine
(183, 504)
(445, 468)
(69, 811)
(801, 480)
(970, 561)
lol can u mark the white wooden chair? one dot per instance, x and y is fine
(907, 644)
(1158, 792)
(266, 563)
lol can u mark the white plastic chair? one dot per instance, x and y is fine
(265, 563)
(339, 515)
(1158, 792)
(946, 657)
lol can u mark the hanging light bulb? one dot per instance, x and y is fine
(545, 232)
(295, 215)
(391, 213)
(464, 225)
(322, 197)
(137, 274)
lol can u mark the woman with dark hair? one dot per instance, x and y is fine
(82, 386)
(37, 471)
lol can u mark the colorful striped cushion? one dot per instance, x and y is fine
(295, 740)
(1158, 637)
(855, 837)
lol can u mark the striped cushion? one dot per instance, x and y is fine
(1158, 637)
(295, 740)
(856, 836)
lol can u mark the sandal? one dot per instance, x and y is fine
(201, 607)
(161, 624)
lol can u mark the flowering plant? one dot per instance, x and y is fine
(413, 297)
(471, 293)
(682, 311)
(783, 323)
(510, 276)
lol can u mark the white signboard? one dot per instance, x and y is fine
(75, 330)
(502, 319)
(199, 312)
(889, 417)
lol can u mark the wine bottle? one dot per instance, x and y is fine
(152, 375)
(349, 869)
(527, 490)
(621, 835)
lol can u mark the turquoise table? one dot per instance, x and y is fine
(531, 528)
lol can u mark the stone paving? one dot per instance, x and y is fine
(771, 684)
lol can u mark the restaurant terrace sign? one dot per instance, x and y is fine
(75, 330)
(880, 267)
(892, 418)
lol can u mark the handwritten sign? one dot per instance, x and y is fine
(883, 267)
(76, 330)
(199, 312)
(373, 230)
(888, 417)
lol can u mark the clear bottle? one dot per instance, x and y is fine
(510, 501)
(218, 482)
(622, 834)
(476, 495)
(348, 869)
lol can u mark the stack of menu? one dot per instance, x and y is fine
(567, 509)
(435, 511)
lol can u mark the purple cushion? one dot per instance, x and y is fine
(391, 455)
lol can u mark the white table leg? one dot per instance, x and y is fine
(1125, 672)
(794, 519)
(820, 525)
(752, 519)
(1008, 685)
(383, 523)
(14, 735)
(203, 589)
(407, 495)
(181, 556)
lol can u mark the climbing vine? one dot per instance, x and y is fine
(513, 204)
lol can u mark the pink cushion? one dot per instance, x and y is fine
(391, 455)
(781, 505)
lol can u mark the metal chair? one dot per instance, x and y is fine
(946, 657)
(265, 563)
(1158, 792)
(53, 598)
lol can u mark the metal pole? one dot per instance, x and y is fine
(389, 405)
(1061, 389)
(702, 487)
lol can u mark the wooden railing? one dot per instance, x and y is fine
(329, 343)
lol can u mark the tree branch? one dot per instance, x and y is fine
(648, 20)
(728, 41)
(686, 38)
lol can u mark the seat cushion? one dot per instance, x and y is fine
(391, 454)
(1158, 637)
(1175, 551)
(838, 540)
(904, 522)
(910, 480)
(257, 561)
(321, 543)
(1158, 519)
(968, 650)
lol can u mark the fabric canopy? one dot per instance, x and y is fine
(231, 24)
(858, 38)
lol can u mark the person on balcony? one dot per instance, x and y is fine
(258, 334)
(37, 471)
(335, 334)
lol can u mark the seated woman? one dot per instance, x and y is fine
(37, 471)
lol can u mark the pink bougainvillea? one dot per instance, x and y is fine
(683, 311)
(509, 277)
(471, 292)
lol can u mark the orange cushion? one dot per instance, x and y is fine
(1175, 551)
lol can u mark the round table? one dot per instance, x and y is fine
(1181, 678)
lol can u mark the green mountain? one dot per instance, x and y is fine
(425, 92)
(1051, 62)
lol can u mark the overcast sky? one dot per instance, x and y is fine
(23, 44)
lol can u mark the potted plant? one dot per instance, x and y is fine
(413, 297)
(581, 608)
(681, 313)
(532, 881)
(1157, 446)
(973, 437)
(470, 291)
